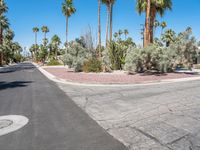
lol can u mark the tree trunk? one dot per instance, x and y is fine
(56, 53)
(111, 20)
(1, 42)
(147, 33)
(99, 27)
(107, 22)
(35, 38)
(66, 31)
(152, 20)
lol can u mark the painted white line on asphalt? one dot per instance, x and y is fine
(12, 123)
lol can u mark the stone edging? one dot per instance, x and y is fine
(59, 80)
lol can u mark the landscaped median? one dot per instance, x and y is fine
(118, 77)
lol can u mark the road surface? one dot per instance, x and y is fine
(55, 121)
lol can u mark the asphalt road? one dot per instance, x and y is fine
(55, 121)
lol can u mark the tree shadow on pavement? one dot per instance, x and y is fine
(19, 67)
(15, 84)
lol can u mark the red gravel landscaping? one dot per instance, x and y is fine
(110, 78)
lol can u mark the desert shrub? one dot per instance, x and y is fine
(76, 55)
(53, 62)
(197, 67)
(92, 65)
(182, 51)
(42, 54)
(17, 58)
(117, 51)
(186, 48)
(152, 57)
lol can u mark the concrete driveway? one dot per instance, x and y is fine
(150, 117)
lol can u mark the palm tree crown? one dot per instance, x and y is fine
(36, 29)
(3, 7)
(45, 30)
(68, 9)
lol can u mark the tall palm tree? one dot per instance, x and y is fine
(55, 41)
(115, 35)
(120, 32)
(145, 6)
(99, 27)
(36, 30)
(68, 9)
(3, 7)
(163, 25)
(45, 30)
(109, 4)
(126, 33)
(152, 8)
(147, 27)
(158, 7)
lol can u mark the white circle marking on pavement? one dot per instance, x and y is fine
(12, 123)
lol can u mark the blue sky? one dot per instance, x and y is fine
(25, 14)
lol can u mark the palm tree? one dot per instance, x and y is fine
(126, 33)
(55, 42)
(3, 7)
(115, 35)
(152, 8)
(45, 30)
(158, 7)
(109, 4)
(99, 27)
(36, 30)
(145, 6)
(163, 25)
(120, 32)
(147, 28)
(168, 37)
(68, 9)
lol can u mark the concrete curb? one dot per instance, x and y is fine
(166, 81)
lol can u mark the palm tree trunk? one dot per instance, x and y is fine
(152, 20)
(66, 31)
(1, 42)
(35, 38)
(99, 27)
(56, 53)
(111, 20)
(107, 22)
(147, 33)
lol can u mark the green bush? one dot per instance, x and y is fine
(76, 55)
(181, 52)
(53, 62)
(116, 52)
(92, 65)
(17, 58)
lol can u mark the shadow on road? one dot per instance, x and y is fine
(15, 84)
(19, 67)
